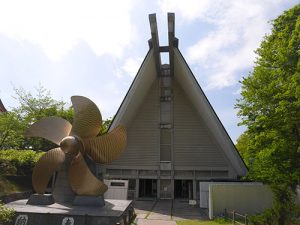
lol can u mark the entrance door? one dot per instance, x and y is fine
(183, 189)
(147, 188)
(166, 189)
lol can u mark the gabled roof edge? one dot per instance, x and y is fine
(113, 125)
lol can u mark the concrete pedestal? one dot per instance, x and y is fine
(36, 199)
(83, 200)
(114, 211)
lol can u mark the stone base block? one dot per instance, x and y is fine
(37, 199)
(84, 200)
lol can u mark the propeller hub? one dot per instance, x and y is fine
(71, 145)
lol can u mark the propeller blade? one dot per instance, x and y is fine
(45, 167)
(52, 128)
(87, 118)
(81, 179)
(107, 147)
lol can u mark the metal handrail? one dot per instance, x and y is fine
(234, 217)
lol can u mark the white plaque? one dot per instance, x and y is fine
(68, 221)
(192, 202)
(21, 220)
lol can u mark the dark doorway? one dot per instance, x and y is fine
(183, 189)
(166, 189)
(148, 188)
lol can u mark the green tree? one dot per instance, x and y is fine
(10, 127)
(270, 108)
(105, 125)
(31, 109)
(243, 148)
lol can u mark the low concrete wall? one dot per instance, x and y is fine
(204, 190)
(246, 199)
(298, 196)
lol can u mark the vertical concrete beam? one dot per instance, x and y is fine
(171, 35)
(155, 42)
(172, 188)
(137, 188)
(158, 189)
(194, 189)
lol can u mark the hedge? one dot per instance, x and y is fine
(18, 162)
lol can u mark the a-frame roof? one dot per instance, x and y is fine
(148, 73)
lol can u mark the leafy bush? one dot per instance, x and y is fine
(6, 168)
(221, 220)
(6, 214)
(268, 217)
(18, 162)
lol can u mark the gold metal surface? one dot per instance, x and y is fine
(71, 145)
(107, 147)
(82, 181)
(87, 118)
(45, 167)
(51, 128)
(76, 141)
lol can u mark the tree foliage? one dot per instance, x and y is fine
(105, 126)
(270, 108)
(31, 109)
(10, 128)
(15, 162)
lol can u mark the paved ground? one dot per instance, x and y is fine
(166, 212)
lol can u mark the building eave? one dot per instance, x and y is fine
(142, 82)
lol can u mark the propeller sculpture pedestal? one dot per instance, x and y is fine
(113, 212)
(77, 195)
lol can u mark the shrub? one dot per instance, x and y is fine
(19, 162)
(221, 220)
(6, 168)
(6, 215)
(268, 217)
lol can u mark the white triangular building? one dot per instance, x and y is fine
(175, 138)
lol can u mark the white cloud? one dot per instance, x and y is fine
(238, 27)
(237, 92)
(131, 66)
(58, 25)
(188, 9)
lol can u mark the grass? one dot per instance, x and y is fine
(196, 222)
(201, 222)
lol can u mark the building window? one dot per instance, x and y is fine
(165, 112)
(165, 153)
(165, 137)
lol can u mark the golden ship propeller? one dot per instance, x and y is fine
(76, 141)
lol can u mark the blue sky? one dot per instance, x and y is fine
(94, 48)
